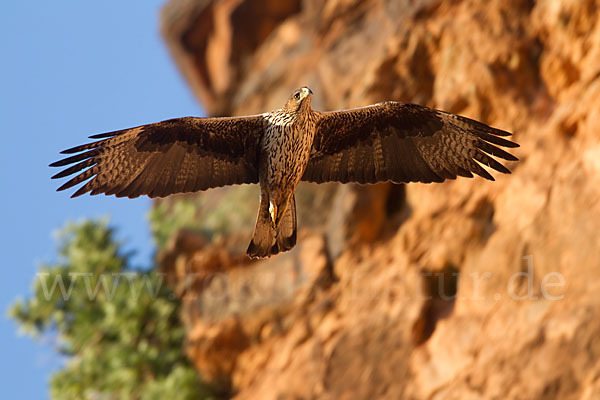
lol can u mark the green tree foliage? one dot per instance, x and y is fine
(118, 327)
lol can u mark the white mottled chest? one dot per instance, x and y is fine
(286, 146)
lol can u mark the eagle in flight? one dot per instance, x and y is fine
(389, 141)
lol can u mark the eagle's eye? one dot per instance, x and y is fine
(297, 95)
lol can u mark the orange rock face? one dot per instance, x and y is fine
(466, 289)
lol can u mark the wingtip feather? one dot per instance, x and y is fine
(82, 190)
(70, 151)
(104, 135)
(64, 186)
(112, 134)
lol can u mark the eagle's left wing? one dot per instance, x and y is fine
(173, 156)
(401, 142)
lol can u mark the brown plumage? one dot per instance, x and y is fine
(389, 141)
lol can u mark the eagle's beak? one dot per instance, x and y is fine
(306, 91)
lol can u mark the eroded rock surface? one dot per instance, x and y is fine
(463, 290)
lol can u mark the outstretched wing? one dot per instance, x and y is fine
(173, 156)
(402, 143)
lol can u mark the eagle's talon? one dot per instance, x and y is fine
(273, 213)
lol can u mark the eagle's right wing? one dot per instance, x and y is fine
(401, 142)
(173, 156)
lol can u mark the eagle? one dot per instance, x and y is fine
(390, 141)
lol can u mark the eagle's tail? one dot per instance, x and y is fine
(286, 232)
(266, 240)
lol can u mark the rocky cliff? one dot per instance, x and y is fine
(463, 290)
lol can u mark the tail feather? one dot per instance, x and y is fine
(266, 240)
(286, 232)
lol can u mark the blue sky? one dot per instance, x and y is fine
(69, 69)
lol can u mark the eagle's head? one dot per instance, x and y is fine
(299, 100)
